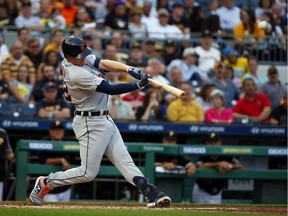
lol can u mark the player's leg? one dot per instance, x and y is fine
(120, 157)
(93, 135)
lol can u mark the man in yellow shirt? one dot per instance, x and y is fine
(185, 109)
(239, 64)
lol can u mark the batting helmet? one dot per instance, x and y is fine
(75, 47)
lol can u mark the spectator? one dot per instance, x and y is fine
(149, 49)
(208, 55)
(52, 58)
(4, 51)
(279, 19)
(6, 152)
(4, 91)
(57, 133)
(137, 29)
(156, 70)
(253, 72)
(264, 6)
(137, 58)
(13, 9)
(209, 191)
(82, 20)
(69, 12)
(212, 23)
(247, 29)
(178, 19)
(5, 20)
(174, 164)
(149, 16)
(34, 51)
(20, 89)
(163, 4)
(231, 92)
(26, 19)
(175, 79)
(57, 37)
(190, 71)
(196, 20)
(23, 35)
(135, 99)
(185, 109)
(163, 30)
(44, 12)
(101, 12)
(190, 8)
(110, 52)
(253, 106)
(48, 74)
(279, 114)
(119, 109)
(122, 54)
(151, 109)
(50, 107)
(117, 19)
(57, 20)
(229, 74)
(204, 98)
(225, 13)
(10, 65)
(218, 113)
(170, 51)
(239, 64)
(273, 88)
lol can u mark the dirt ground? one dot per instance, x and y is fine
(229, 208)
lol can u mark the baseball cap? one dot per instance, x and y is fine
(229, 50)
(26, 3)
(169, 42)
(206, 33)
(178, 3)
(49, 85)
(149, 41)
(56, 125)
(136, 45)
(3, 4)
(163, 12)
(189, 51)
(170, 136)
(213, 137)
(119, 2)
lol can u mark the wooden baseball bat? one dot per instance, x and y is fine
(172, 90)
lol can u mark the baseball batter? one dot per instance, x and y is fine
(87, 88)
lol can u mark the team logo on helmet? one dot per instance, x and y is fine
(82, 47)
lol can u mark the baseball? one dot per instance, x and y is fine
(263, 24)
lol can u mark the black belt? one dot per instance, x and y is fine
(87, 113)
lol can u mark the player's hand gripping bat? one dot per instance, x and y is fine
(172, 90)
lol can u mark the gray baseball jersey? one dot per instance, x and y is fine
(97, 135)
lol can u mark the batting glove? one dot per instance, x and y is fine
(144, 81)
(135, 72)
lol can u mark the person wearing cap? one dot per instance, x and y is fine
(170, 51)
(174, 164)
(230, 90)
(185, 109)
(218, 113)
(136, 56)
(253, 107)
(209, 191)
(28, 20)
(208, 55)
(239, 64)
(163, 30)
(56, 133)
(273, 88)
(190, 70)
(253, 72)
(178, 19)
(51, 107)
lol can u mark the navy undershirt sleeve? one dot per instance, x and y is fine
(121, 88)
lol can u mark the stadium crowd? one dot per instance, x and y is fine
(212, 55)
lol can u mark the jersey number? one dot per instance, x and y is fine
(66, 93)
